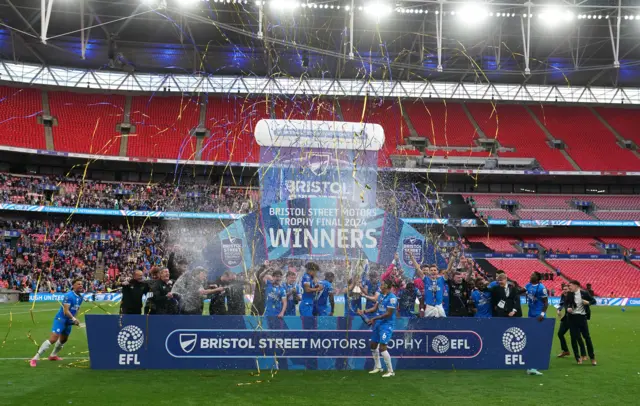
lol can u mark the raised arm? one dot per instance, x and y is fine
(416, 265)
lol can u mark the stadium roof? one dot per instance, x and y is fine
(570, 43)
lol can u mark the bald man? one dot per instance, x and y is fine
(132, 291)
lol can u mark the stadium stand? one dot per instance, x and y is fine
(231, 123)
(626, 242)
(625, 121)
(387, 114)
(444, 124)
(163, 126)
(86, 122)
(608, 277)
(496, 243)
(19, 109)
(566, 244)
(586, 137)
(554, 215)
(513, 127)
(520, 270)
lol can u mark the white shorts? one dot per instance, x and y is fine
(434, 311)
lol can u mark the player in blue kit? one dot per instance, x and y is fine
(407, 297)
(62, 323)
(310, 289)
(383, 325)
(371, 290)
(538, 301)
(352, 299)
(537, 298)
(434, 286)
(481, 297)
(325, 303)
(276, 303)
(293, 293)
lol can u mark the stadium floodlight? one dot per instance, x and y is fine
(188, 3)
(149, 3)
(378, 10)
(472, 13)
(284, 5)
(554, 15)
(347, 8)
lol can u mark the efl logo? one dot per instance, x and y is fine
(440, 344)
(130, 339)
(514, 340)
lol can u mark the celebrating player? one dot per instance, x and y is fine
(352, 299)
(371, 290)
(537, 298)
(293, 293)
(407, 297)
(481, 298)
(383, 325)
(309, 289)
(325, 297)
(62, 323)
(434, 287)
(276, 295)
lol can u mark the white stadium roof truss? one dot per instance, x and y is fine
(28, 74)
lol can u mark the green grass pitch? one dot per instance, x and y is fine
(615, 381)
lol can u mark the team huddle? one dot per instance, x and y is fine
(434, 293)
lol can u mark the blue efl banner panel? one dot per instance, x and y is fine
(307, 343)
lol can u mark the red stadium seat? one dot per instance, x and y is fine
(162, 127)
(606, 276)
(586, 139)
(86, 122)
(19, 109)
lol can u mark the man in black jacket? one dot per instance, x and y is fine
(578, 305)
(160, 299)
(132, 292)
(505, 298)
(564, 327)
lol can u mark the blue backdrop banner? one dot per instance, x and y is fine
(323, 343)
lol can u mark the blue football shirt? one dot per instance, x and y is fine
(535, 294)
(275, 294)
(323, 297)
(385, 302)
(372, 288)
(482, 302)
(434, 290)
(74, 301)
(308, 297)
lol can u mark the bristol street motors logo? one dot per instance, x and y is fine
(440, 344)
(514, 341)
(130, 339)
(319, 163)
(188, 342)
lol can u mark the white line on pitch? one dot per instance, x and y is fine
(25, 359)
(35, 311)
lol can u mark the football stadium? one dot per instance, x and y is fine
(334, 202)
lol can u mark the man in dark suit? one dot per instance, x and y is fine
(578, 305)
(505, 298)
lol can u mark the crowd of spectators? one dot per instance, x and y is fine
(79, 192)
(403, 200)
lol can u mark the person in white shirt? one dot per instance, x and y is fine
(578, 309)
